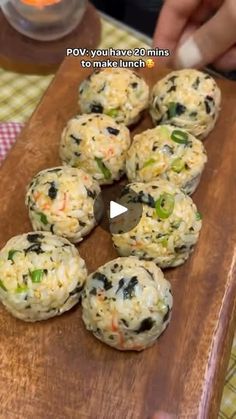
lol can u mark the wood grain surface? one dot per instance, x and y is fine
(56, 369)
(25, 55)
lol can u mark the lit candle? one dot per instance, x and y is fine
(44, 20)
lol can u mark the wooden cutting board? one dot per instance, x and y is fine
(56, 369)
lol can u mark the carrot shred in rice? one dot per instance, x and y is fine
(64, 204)
(40, 4)
(114, 323)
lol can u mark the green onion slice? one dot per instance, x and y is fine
(11, 254)
(179, 136)
(21, 288)
(106, 172)
(43, 218)
(112, 112)
(198, 216)
(37, 275)
(165, 205)
(177, 165)
(2, 286)
(164, 131)
(172, 106)
(164, 240)
(149, 162)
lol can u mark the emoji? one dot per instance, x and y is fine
(150, 63)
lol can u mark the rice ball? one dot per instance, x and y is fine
(119, 93)
(41, 276)
(97, 144)
(127, 303)
(187, 99)
(169, 227)
(61, 200)
(168, 153)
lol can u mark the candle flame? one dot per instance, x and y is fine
(40, 4)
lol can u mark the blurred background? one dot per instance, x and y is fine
(140, 14)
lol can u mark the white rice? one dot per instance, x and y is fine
(120, 93)
(127, 303)
(97, 144)
(154, 154)
(166, 241)
(42, 276)
(187, 99)
(61, 200)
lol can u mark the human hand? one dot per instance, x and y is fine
(197, 33)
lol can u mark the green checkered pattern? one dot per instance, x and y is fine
(20, 95)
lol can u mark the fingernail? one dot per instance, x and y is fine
(188, 54)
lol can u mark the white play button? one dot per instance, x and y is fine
(116, 209)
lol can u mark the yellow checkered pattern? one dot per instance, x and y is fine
(19, 96)
(228, 403)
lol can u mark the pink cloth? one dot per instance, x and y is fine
(8, 134)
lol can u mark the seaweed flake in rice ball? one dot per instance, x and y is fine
(61, 200)
(41, 276)
(97, 144)
(127, 303)
(168, 153)
(187, 99)
(120, 93)
(169, 227)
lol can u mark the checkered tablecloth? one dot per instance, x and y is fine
(19, 95)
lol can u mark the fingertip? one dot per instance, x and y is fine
(208, 42)
(188, 55)
(172, 21)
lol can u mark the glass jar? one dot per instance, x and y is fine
(44, 20)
